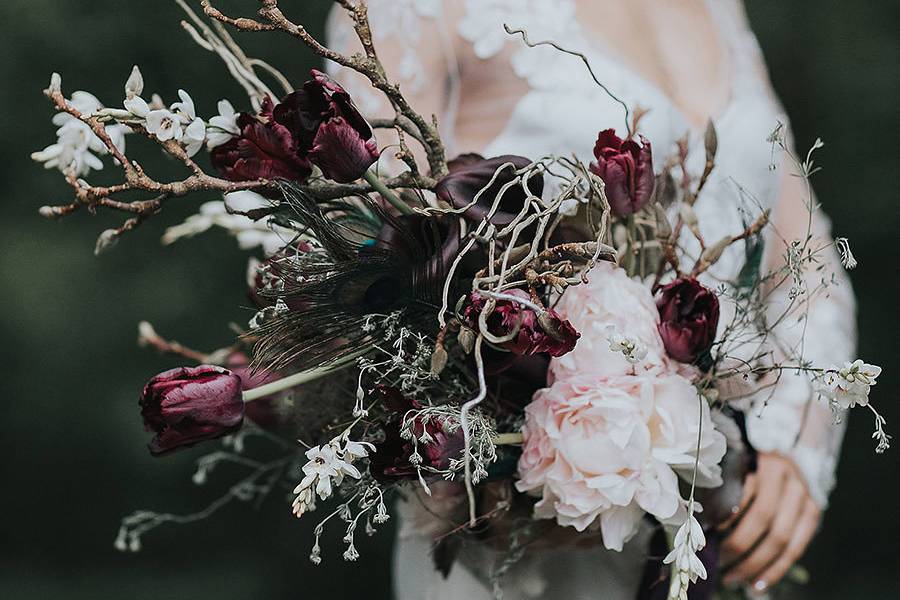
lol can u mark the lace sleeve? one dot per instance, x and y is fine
(790, 418)
(414, 43)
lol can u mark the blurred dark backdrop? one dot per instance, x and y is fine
(72, 445)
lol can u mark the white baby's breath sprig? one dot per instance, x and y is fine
(849, 386)
(633, 349)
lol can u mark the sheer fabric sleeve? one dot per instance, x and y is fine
(791, 419)
(415, 43)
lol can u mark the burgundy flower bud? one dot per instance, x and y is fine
(470, 173)
(626, 168)
(392, 458)
(548, 333)
(187, 405)
(688, 318)
(264, 149)
(328, 129)
(265, 412)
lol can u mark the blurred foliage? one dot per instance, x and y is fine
(74, 460)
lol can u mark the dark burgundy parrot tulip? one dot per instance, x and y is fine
(626, 167)
(551, 333)
(316, 125)
(265, 149)
(688, 318)
(187, 405)
(328, 128)
(470, 173)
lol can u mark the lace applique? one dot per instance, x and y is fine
(400, 19)
(482, 26)
(397, 21)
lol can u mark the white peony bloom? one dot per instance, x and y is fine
(223, 126)
(602, 451)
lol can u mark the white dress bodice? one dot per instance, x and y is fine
(561, 112)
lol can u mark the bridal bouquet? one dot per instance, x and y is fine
(511, 332)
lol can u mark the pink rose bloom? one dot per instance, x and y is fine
(602, 451)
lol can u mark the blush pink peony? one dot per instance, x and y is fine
(601, 451)
(609, 299)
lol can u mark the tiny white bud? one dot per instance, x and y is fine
(105, 241)
(135, 83)
(55, 83)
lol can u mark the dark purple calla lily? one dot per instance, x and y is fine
(470, 173)
(688, 318)
(187, 405)
(626, 168)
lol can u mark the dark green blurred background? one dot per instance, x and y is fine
(73, 450)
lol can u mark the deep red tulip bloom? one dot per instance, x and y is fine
(328, 129)
(552, 334)
(264, 149)
(626, 167)
(688, 318)
(187, 405)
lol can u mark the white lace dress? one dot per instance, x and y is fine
(561, 110)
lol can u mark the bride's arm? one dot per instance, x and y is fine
(790, 426)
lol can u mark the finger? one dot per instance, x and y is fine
(753, 525)
(748, 494)
(776, 538)
(803, 533)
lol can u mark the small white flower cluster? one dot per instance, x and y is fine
(689, 540)
(632, 348)
(179, 122)
(848, 386)
(326, 468)
(226, 214)
(77, 148)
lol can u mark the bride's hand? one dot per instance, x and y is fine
(776, 521)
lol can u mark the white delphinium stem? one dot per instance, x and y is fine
(689, 540)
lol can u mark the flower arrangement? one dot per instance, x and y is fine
(532, 323)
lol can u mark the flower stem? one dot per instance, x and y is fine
(507, 439)
(387, 193)
(301, 377)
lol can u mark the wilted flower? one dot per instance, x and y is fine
(470, 173)
(547, 332)
(689, 315)
(626, 168)
(187, 405)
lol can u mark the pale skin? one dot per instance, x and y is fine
(777, 517)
